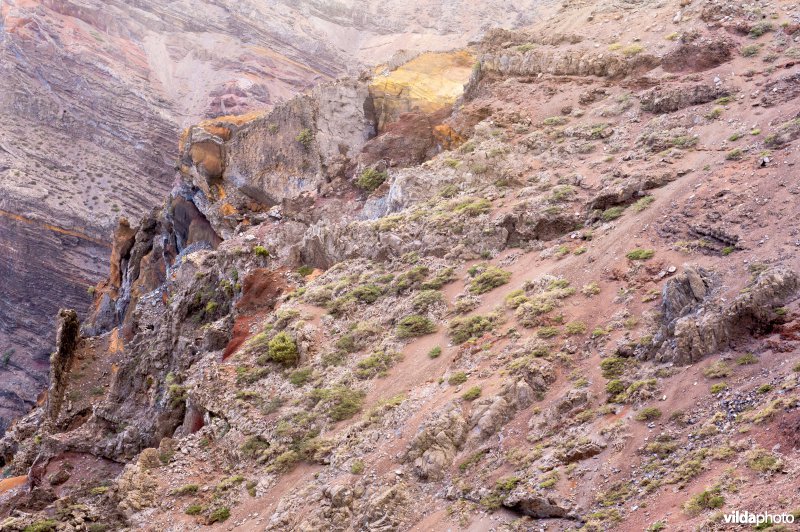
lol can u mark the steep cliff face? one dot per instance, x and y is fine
(563, 313)
(92, 95)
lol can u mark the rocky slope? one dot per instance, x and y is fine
(567, 300)
(93, 95)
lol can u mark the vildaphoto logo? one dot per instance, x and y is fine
(748, 518)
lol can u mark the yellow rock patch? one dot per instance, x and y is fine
(428, 83)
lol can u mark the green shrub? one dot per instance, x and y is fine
(254, 446)
(718, 388)
(367, 293)
(555, 121)
(194, 509)
(547, 332)
(489, 279)
(735, 154)
(46, 525)
(305, 271)
(463, 329)
(357, 467)
(648, 413)
(640, 254)
(612, 367)
(760, 28)
(377, 363)
(705, 500)
(435, 352)
(472, 206)
(426, 299)
(747, 359)
(612, 213)
(590, 289)
(615, 387)
(472, 460)
(717, 370)
(575, 327)
(283, 349)
(301, 376)
(219, 515)
(340, 401)
(749, 51)
(370, 179)
(305, 137)
(415, 325)
(245, 375)
(715, 113)
(472, 394)
(261, 251)
(632, 49)
(459, 377)
(188, 489)
(763, 461)
(764, 388)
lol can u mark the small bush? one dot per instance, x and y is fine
(367, 293)
(612, 213)
(219, 515)
(283, 349)
(750, 50)
(591, 289)
(763, 461)
(760, 28)
(547, 332)
(715, 113)
(471, 461)
(633, 49)
(705, 500)
(415, 325)
(188, 489)
(575, 327)
(254, 446)
(194, 509)
(612, 367)
(435, 352)
(46, 525)
(649, 413)
(472, 394)
(615, 387)
(305, 271)
(747, 359)
(555, 121)
(370, 179)
(463, 329)
(377, 364)
(489, 279)
(640, 254)
(305, 137)
(426, 299)
(735, 154)
(357, 467)
(341, 402)
(459, 377)
(261, 251)
(717, 370)
(718, 388)
(301, 376)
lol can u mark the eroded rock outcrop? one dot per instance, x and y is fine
(697, 324)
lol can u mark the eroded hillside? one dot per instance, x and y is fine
(567, 301)
(94, 93)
